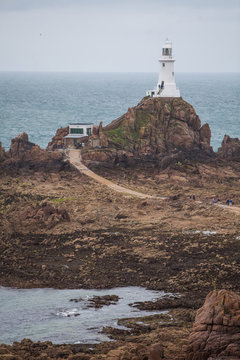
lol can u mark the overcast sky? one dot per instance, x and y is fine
(119, 36)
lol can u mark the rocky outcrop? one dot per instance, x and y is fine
(216, 330)
(27, 349)
(2, 152)
(98, 139)
(46, 215)
(157, 129)
(24, 155)
(230, 149)
(57, 140)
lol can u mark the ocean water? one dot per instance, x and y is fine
(40, 103)
(48, 314)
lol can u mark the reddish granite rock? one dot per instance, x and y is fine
(45, 215)
(57, 140)
(19, 146)
(24, 155)
(155, 129)
(230, 148)
(2, 152)
(216, 330)
(133, 351)
(205, 136)
(98, 139)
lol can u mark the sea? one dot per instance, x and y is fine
(51, 314)
(40, 103)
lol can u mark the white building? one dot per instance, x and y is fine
(166, 86)
(76, 132)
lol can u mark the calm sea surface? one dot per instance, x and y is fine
(40, 103)
(48, 314)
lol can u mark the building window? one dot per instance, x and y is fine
(76, 131)
(167, 52)
(163, 64)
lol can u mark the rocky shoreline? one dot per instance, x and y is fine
(61, 229)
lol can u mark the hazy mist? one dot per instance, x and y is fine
(118, 36)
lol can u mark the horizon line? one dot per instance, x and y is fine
(116, 72)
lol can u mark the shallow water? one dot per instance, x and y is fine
(48, 314)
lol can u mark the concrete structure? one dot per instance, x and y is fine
(166, 86)
(78, 134)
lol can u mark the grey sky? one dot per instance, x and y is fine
(126, 35)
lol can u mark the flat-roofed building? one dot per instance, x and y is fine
(78, 134)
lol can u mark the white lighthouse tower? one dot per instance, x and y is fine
(166, 86)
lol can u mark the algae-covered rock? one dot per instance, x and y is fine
(158, 128)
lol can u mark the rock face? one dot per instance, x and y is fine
(216, 330)
(230, 149)
(155, 129)
(57, 140)
(24, 155)
(98, 138)
(2, 152)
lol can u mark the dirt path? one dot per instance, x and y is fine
(230, 208)
(75, 160)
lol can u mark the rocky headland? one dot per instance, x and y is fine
(177, 241)
(157, 130)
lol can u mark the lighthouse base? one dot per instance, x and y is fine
(168, 90)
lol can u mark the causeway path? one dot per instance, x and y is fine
(75, 160)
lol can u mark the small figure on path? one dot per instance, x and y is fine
(194, 197)
(213, 200)
(228, 202)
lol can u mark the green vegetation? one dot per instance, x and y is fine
(60, 200)
(116, 136)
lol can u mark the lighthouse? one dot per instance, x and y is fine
(166, 86)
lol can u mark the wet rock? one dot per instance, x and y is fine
(100, 301)
(216, 330)
(168, 302)
(114, 333)
(121, 216)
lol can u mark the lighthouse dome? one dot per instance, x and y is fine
(167, 44)
(167, 49)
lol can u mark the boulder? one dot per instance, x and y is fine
(216, 330)
(230, 149)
